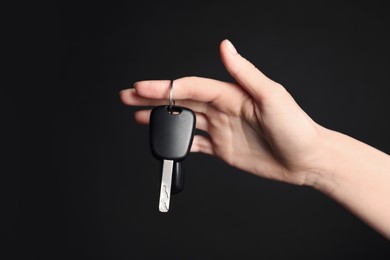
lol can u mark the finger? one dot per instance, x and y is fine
(131, 98)
(247, 75)
(189, 88)
(143, 116)
(201, 122)
(202, 144)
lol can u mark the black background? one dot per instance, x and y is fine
(81, 182)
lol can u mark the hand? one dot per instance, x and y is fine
(254, 124)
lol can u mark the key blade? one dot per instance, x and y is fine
(166, 181)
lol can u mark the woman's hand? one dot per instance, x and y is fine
(254, 124)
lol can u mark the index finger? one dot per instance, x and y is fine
(192, 88)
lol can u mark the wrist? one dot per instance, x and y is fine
(330, 155)
(356, 175)
(343, 161)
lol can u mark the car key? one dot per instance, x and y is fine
(171, 135)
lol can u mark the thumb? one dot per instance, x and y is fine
(245, 73)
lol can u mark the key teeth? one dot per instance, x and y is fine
(166, 182)
(166, 193)
(163, 208)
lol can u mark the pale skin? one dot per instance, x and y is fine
(256, 126)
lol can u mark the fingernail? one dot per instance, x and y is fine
(231, 47)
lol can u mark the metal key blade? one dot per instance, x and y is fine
(166, 181)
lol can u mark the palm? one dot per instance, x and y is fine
(263, 139)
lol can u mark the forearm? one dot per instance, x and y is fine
(358, 177)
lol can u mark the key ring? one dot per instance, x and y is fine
(170, 98)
